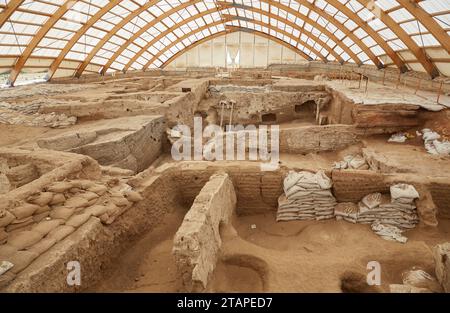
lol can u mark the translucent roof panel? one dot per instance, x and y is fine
(87, 36)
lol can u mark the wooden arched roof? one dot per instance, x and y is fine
(87, 36)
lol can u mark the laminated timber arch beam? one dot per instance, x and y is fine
(228, 18)
(263, 24)
(418, 52)
(233, 29)
(15, 71)
(228, 30)
(11, 6)
(219, 8)
(428, 21)
(111, 33)
(306, 19)
(69, 45)
(326, 16)
(369, 30)
(163, 34)
(412, 6)
(145, 28)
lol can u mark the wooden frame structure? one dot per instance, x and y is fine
(136, 35)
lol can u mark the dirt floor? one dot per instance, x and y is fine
(261, 255)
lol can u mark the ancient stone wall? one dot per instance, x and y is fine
(197, 242)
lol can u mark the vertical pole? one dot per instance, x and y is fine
(317, 112)
(384, 76)
(221, 114)
(439, 92)
(398, 80)
(231, 114)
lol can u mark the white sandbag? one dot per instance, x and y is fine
(442, 147)
(323, 180)
(403, 191)
(357, 162)
(388, 232)
(398, 137)
(372, 200)
(429, 135)
(342, 165)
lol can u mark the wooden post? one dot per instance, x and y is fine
(317, 112)
(222, 104)
(367, 86)
(398, 80)
(231, 114)
(439, 92)
(384, 76)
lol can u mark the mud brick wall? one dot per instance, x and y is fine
(256, 191)
(340, 109)
(190, 182)
(440, 191)
(249, 189)
(353, 185)
(309, 139)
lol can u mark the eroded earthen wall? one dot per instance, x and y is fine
(197, 242)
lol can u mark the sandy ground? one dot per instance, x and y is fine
(295, 256)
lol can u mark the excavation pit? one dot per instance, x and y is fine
(137, 220)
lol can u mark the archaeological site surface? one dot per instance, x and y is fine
(106, 176)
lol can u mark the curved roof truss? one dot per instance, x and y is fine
(98, 36)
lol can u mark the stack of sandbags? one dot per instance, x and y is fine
(307, 197)
(388, 216)
(433, 144)
(347, 211)
(399, 210)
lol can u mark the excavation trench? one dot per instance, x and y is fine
(328, 256)
(135, 220)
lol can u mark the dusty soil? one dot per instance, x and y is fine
(148, 266)
(296, 256)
